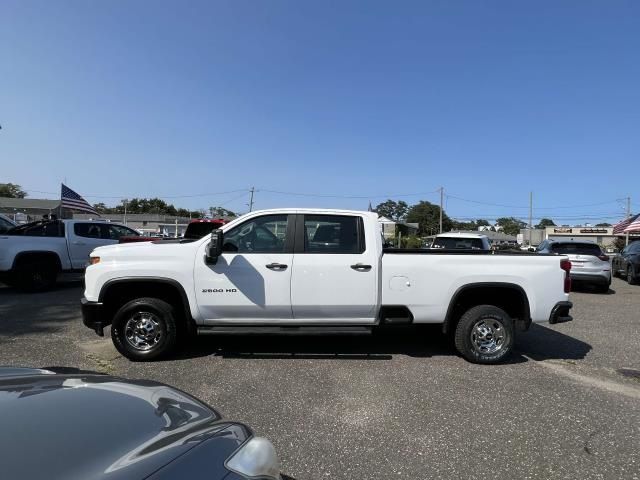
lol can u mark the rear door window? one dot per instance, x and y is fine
(333, 234)
(576, 249)
(87, 230)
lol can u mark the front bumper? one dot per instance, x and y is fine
(92, 316)
(560, 313)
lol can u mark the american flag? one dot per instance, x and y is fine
(71, 199)
(619, 227)
(633, 226)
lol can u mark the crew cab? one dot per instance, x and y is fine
(309, 271)
(34, 254)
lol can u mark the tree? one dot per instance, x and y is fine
(545, 222)
(396, 211)
(11, 190)
(221, 212)
(102, 208)
(603, 225)
(482, 222)
(511, 225)
(427, 216)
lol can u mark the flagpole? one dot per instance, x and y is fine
(60, 205)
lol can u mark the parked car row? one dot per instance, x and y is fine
(627, 263)
(591, 265)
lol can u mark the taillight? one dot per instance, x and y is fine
(603, 257)
(566, 266)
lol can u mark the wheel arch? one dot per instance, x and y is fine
(515, 302)
(118, 291)
(29, 255)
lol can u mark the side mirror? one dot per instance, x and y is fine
(214, 249)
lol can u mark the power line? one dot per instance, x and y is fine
(362, 197)
(526, 206)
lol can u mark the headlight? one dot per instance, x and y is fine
(94, 260)
(256, 458)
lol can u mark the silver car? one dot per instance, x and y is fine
(589, 264)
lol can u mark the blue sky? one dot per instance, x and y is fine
(367, 99)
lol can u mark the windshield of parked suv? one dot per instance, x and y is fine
(458, 243)
(576, 249)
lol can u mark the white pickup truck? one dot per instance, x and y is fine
(304, 270)
(32, 255)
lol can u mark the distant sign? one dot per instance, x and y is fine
(563, 230)
(593, 230)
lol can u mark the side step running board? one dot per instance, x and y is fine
(286, 330)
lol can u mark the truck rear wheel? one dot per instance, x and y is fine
(144, 329)
(485, 334)
(35, 276)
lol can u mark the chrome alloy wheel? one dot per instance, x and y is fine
(488, 336)
(143, 331)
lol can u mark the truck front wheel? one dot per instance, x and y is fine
(485, 334)
(144, 329)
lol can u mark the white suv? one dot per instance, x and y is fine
(460, 240)
(589, 264)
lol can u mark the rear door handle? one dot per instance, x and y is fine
(361, 267)
(276, 266)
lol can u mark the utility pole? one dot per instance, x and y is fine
(530, 216)
(441, 206)
(628, 216)
(125, 211)
(251, 200)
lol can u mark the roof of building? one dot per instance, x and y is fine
(28, 203)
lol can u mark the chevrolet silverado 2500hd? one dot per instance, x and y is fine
(308, 270)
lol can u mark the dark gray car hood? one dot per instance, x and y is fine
(94, 426)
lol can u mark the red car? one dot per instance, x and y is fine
(195, 230)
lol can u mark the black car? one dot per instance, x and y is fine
(92, 426)
(627, 263)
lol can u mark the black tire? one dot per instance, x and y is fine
(602, 288)
(161, 318)
(631, 278)
(494, 320)
(35, 276)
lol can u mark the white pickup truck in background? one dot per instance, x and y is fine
(32, 255)
(307, 270)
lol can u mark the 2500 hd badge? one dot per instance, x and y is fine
(219, 290)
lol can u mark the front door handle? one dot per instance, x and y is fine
(361, 267)
(78, 243)
(276, 266)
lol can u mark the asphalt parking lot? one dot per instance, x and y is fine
(399, 404)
